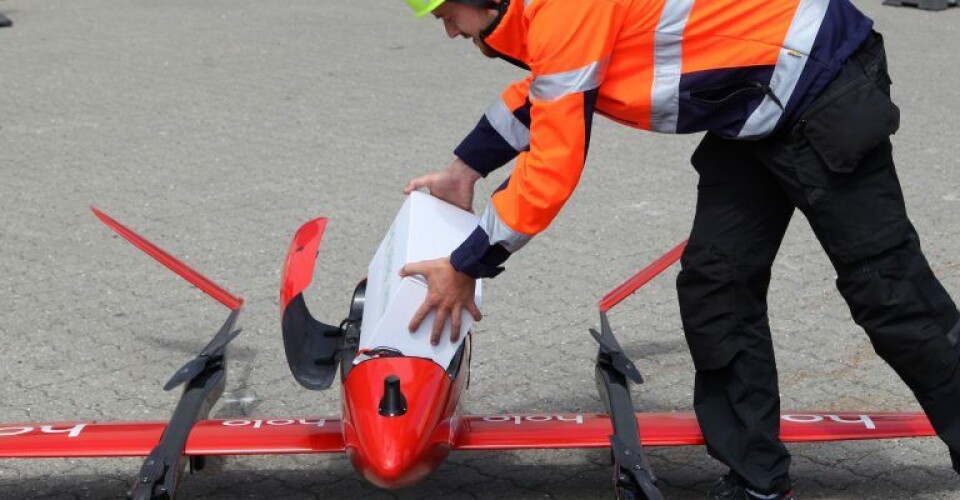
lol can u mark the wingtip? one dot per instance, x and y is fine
(96, 211)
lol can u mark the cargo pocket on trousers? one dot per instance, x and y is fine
(843, 159)
(858, 216)
(843, 129)
(707, 292)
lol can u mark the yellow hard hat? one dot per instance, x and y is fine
(423, 7)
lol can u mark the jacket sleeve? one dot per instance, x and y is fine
(502, 132)
(569, 45)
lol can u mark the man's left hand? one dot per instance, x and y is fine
(449, 292)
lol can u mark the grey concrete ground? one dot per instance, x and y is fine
(217, 127)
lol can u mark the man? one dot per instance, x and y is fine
(794, 97)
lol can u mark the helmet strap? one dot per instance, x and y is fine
(501, 11)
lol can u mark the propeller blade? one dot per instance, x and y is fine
(611, 348)
(223, 336)
(187, 372)
(212, 351)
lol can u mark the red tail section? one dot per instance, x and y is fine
(198, 280)
(301, 258)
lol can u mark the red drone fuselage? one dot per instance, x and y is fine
(396, 451)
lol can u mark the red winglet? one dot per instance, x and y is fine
(641, 278)
(198, 280)
(298, 268)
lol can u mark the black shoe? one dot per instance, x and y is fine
(786, 495)
(5, 21)
(728, 488)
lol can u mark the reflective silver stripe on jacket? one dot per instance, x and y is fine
(553, 87)
(498, 232)
(667, 65)
(508, 126)
(793, 58)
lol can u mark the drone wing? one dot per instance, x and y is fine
(518, 432)
(133, 439)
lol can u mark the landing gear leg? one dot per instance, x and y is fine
(633, 477)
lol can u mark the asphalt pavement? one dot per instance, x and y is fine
(216, 128)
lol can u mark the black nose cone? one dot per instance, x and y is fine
(393, 404)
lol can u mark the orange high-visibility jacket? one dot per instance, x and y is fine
(738, 68)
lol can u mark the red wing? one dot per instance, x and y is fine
(517, 432)
(497, 432)
(209, 437)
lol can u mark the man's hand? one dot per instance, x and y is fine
(453, 184)
(448, 291)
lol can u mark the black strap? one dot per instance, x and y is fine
(501, 11)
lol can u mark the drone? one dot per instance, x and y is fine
(400, 415)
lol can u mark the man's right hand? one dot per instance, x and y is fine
(453, 184)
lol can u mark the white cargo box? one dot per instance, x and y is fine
(426, 228)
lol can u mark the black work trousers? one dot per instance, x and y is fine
(835, 165)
